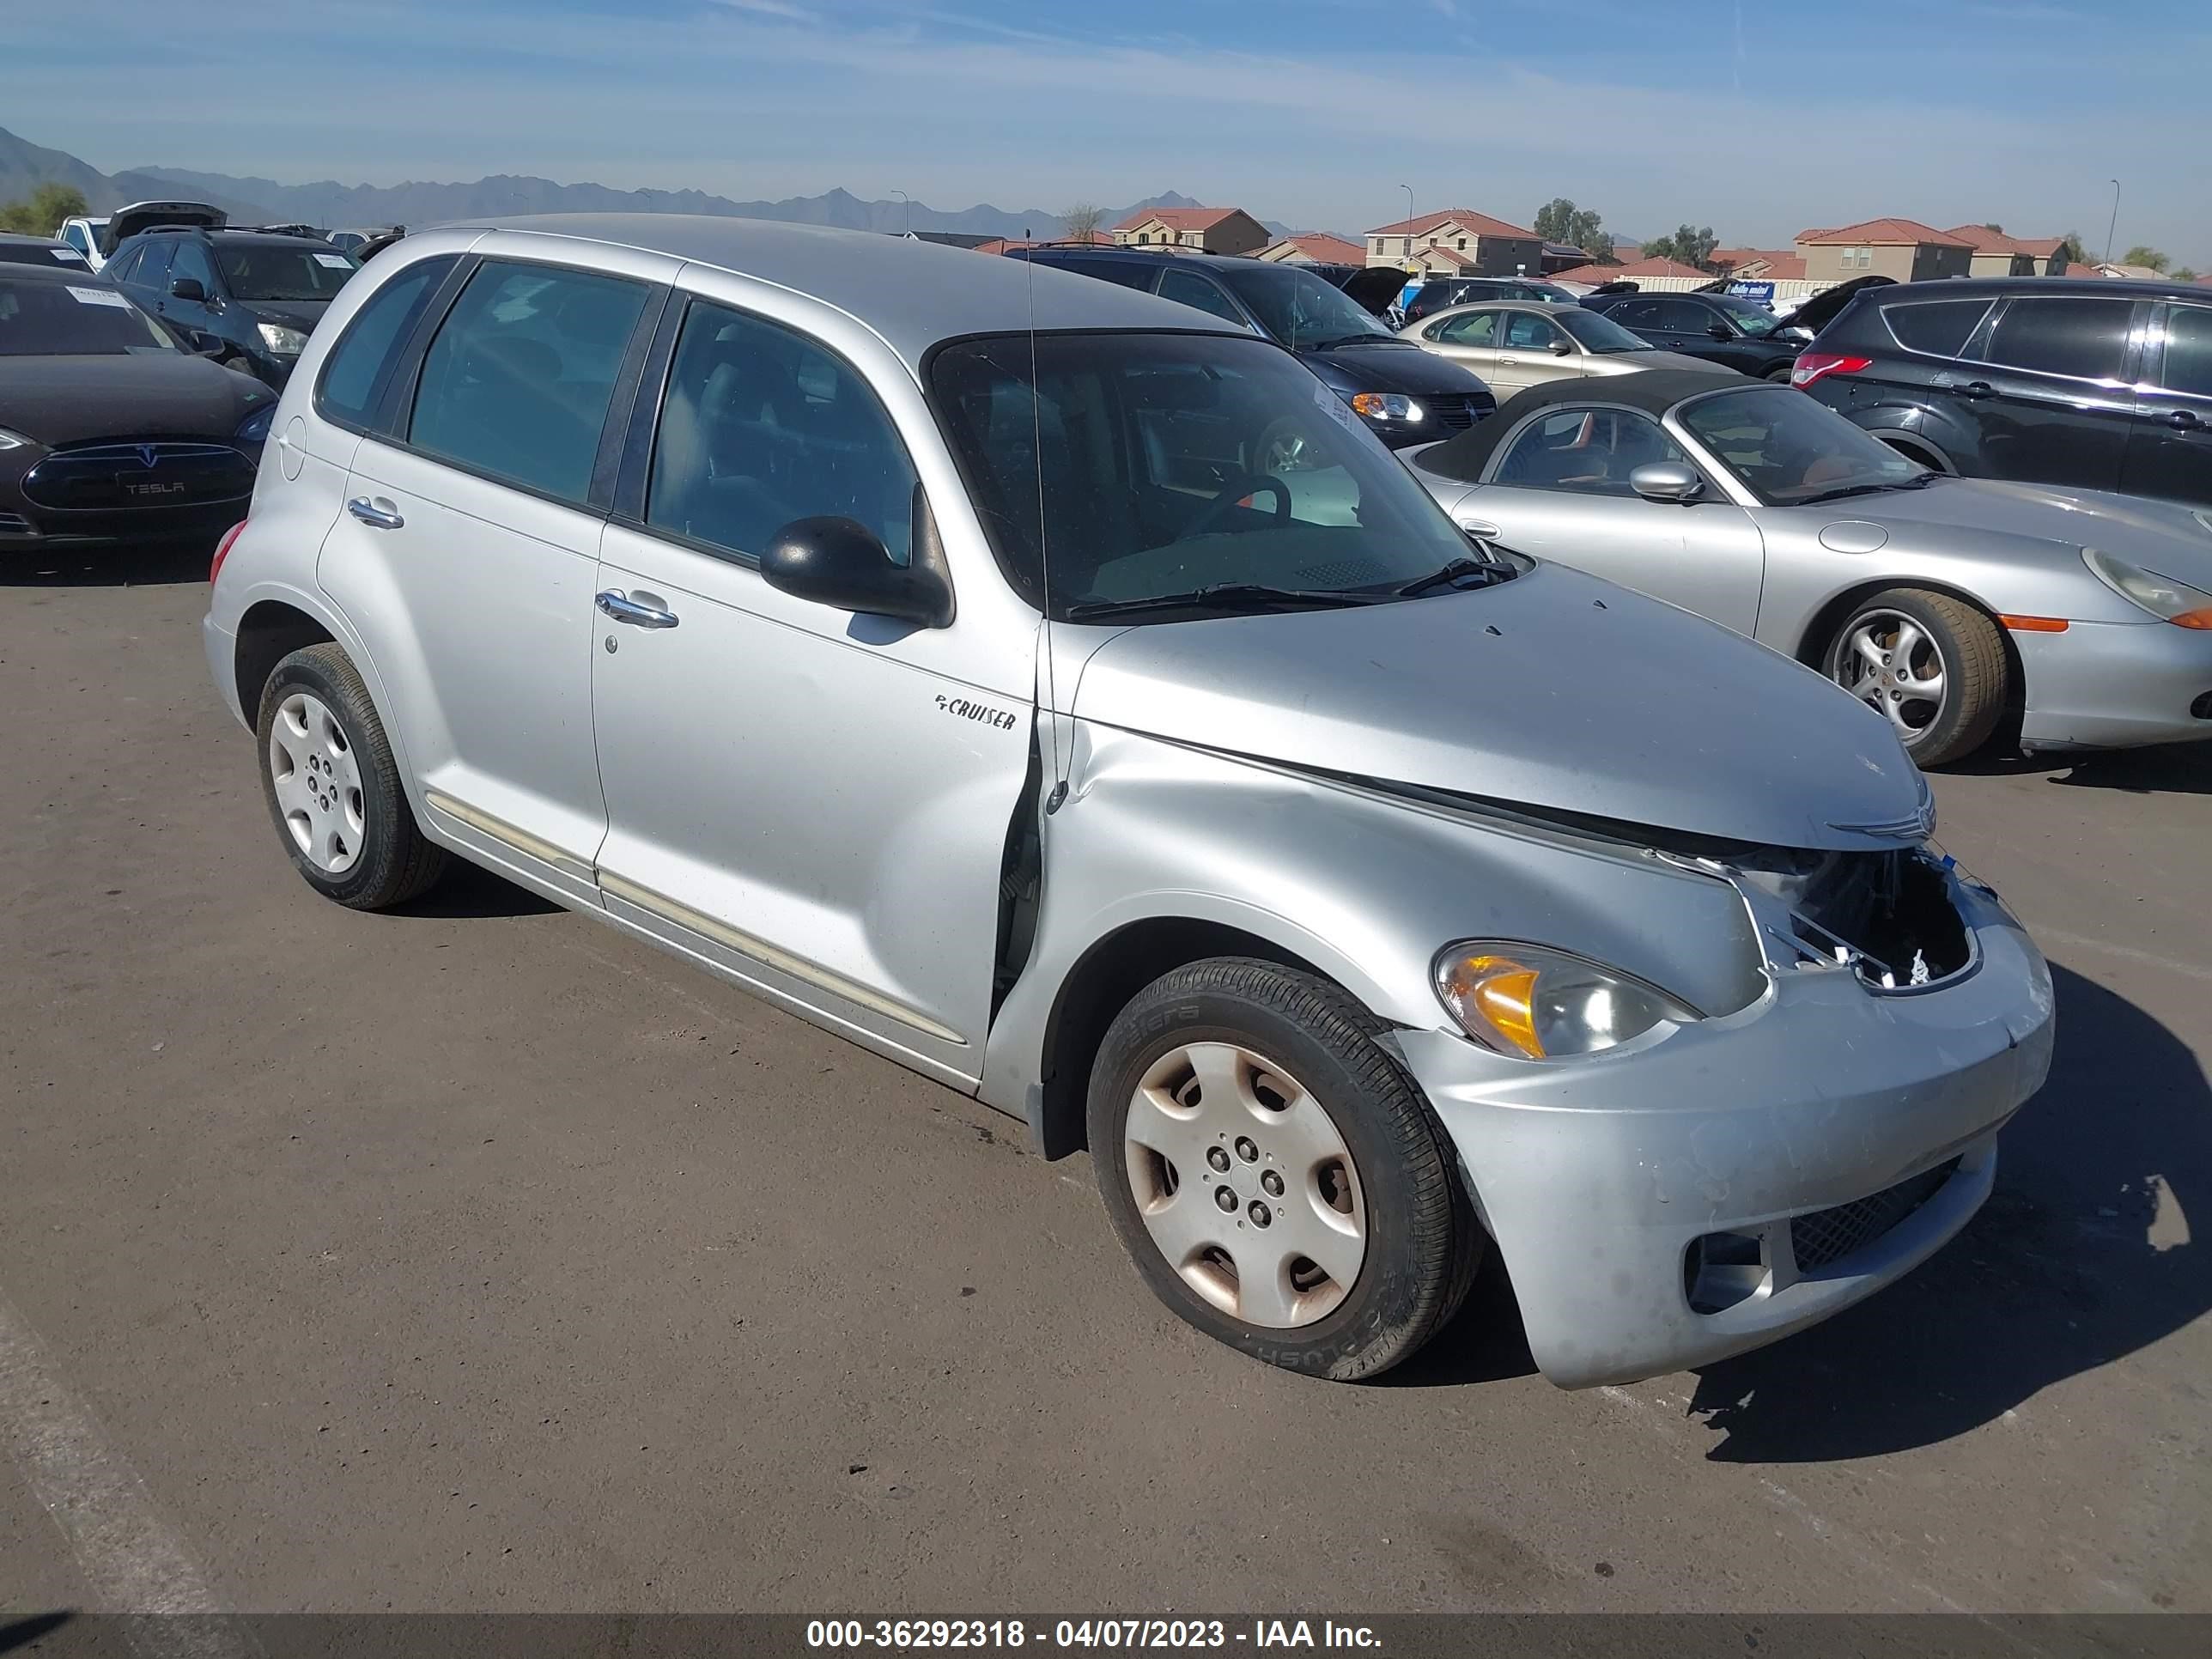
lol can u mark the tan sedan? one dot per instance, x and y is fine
(1514, 344)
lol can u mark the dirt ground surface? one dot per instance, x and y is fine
(480, 1258)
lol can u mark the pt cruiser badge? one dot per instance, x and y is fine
(969, 710)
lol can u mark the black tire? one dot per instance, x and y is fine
(1423, 1241)
(1780, 375)
(1972, 657)
(396, 862)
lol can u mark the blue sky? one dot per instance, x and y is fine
(1758, 118)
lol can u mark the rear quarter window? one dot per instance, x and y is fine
(2082, 337)
(1937, 328)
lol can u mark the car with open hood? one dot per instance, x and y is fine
(1404, 396)
(1943, 602)
(259, 291)
(96, 236)
(112, 429)
(925, 643)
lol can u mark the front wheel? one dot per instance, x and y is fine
(1278, 1178)
(1933, 666)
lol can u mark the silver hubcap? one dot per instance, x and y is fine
(1245, 1185)
(1889, 661)
(318, 784)
(1284, 451)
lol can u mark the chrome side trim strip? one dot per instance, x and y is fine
(760, 950)
(485, 824)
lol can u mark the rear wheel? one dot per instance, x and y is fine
(333, 787)
(1934, 666)
(1278, 1178)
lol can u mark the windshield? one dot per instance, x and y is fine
(1789, 448)
(1754, 319)
(1299, 309)
(1595, 331)
(307, 271)
(75, 319)
(1163, 464)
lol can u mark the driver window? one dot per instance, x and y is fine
(191, 261)
(1188, 288)
(1590, 452)
(1473, 328)
(1525, 332)
(761, 426)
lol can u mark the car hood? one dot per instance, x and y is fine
(1392, 368)
(1599, 703)
(1657, 359)
(67, 400)
(303, 314)
(2163, 536)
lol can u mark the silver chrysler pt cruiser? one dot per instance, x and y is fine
(918, 641)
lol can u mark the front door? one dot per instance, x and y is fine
(467, 553)
(2169, 450)
(1559, 490)
(2052, 394)
(815, 802)
(1534, 351)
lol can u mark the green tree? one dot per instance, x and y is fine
(2071, 246)
(43, 213)
(1560, 221)
(2184, 275)
(1689, 245)
(2149, 257)
(1992, 224)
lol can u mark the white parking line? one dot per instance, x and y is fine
(132, 1560)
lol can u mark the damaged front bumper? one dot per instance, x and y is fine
(1674, 1201)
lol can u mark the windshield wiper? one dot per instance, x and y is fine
(1919, 482)
(1354, 339)
(1452, 575)
(1224, 596)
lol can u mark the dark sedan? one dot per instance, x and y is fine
(110, 431)
(43, 251)
(1738, 334)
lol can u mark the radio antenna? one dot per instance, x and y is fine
(1051, 801)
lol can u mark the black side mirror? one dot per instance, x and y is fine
(1719, 331)
(187, 288)
(838, 562)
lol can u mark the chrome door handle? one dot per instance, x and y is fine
(376, 517)
(624, 609)
(2184, 420)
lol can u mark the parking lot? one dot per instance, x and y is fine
(476, 1257)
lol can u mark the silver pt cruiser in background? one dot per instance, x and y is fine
(914, 639)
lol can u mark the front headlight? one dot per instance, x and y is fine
(284, 342)
(1538, 1004)
(2164, 597)
(255, 428)
(1386, 406)
(12, 439)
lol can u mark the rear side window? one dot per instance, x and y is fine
(2082, 337)
(1940, 328)
(119, 268)
(1469, 328)
(518, 382)
(1589, 452)
(761, 426)
(2188, 365)
(1685, 316)
(1636, 314)
(354, 373)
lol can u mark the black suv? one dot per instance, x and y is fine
(1738, 334)
(2094, 384)
(1443, 293)
(259, 292)
(1408, 396)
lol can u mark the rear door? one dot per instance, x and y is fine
(1470, 338)
(1558, 489)
(2053, 392)
(467, 553)
(2169, 451)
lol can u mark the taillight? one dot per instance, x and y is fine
(222, 549)
(1814, 365)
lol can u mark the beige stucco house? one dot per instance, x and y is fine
(1210, 230)
(1903, 249)
(1478, 245)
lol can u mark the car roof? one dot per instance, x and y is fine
(912, 295)
(1969, 288)
(209, 233)
(1654, 391)
(57, 272)
(16, 238)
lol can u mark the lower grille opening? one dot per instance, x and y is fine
(2202, 708)
(1826, 1237)
(1722, 1269)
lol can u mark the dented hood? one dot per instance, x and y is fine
(1586, 699)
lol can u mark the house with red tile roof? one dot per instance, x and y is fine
(1491, 247)
(1760, 264)
(1903, 249)
(1997, 254)
(1207, 229)
(1637, 270)
(1315, 247)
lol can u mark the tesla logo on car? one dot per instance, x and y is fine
(155, 488)
(146, 454)
(966, 710)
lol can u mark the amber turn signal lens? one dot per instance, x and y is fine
(1504, 992)
(2035, 624)
(2201, 618)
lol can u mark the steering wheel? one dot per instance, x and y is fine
(1249, 483)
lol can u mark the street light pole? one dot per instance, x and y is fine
(2115, 220)
(1409, 189)
(904, 197)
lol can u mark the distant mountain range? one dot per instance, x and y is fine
(333, 206)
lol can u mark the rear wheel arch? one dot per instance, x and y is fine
(1916, 448)
(270, 631)
(1105, 979)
